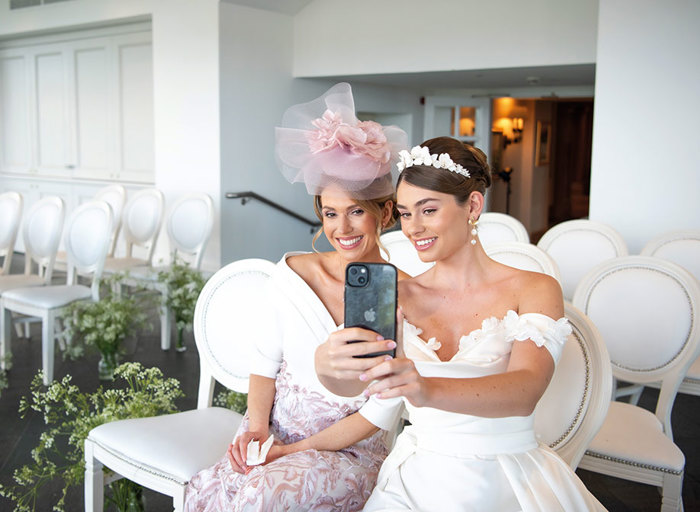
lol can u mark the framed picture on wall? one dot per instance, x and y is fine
(542, 143)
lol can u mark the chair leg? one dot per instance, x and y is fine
(671, 493)
(27, 334)
(47, 347)
(94, 481)
(179, 500)
(5, 332)
(18, 329)
(164, 327)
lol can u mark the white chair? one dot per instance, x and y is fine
(647, 310)
(10, 217)
(86, 241)
(115, 197)
(573, 408)
(579, 245)
(41, 233)
(141, 222)
(189, 227)
(682, 248)
(496, 227)
(524, 256)
(401, 253)
(164, 452)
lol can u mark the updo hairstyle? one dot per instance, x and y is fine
(447, 182)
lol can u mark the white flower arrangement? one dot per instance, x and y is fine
(420, 155)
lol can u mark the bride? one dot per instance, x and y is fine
(480, 344)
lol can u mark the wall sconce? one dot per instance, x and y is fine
(517, 130)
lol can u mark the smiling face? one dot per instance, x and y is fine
(434, 222)
(349, 227)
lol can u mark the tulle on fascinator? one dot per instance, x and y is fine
(322, 143)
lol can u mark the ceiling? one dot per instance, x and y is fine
(541, 76)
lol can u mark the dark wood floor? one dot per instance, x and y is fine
(19, 436)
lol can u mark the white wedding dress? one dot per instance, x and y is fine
(445, 461)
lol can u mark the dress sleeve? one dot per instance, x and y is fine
(541, 329)
(383, 412)
(266, 353)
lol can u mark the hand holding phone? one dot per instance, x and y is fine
(370, 300)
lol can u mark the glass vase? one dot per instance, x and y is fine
(106, 366)
(180, 344)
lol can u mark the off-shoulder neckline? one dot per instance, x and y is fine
(494, 320)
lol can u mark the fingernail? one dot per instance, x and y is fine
(391, 344)
(380, 337)
(366, 393)
(388, 358)
(363, 376)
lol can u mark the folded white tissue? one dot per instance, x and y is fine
(256, 453)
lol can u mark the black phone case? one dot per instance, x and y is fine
(373, 305)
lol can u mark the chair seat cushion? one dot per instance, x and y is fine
(19, 281)
(119, 264)
(174, 446)
(634, 435)
(49, 297)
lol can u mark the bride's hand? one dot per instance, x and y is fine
(335, 358)
(397, 377)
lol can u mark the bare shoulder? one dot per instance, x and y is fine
(539, 293)
(401, 275)
(305, 265)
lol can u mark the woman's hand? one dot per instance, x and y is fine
(238, 450)
(336, 357)
(398, 377)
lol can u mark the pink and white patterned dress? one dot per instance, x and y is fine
(308, 480)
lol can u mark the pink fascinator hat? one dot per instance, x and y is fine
(321, 143)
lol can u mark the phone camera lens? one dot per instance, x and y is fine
(362, 279)
(353, 270)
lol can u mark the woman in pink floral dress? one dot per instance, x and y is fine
(326, 455)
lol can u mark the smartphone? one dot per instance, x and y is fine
(370, 299)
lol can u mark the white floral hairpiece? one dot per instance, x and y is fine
(420, 155)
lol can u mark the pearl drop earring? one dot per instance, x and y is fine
(474, 232)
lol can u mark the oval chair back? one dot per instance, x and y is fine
(679, 247)
(189, 226)
(496, 227)
(579, 245)
(87, 241)
(10, 217)
(42, 234)
(115, 196)
(647, 310)
(142, 220)
(573, 408)
(232, 310)
(524, 256)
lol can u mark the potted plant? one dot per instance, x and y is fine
(104, 324)
(183, 284)
(70, 414)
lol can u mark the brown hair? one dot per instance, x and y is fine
(372, 206)
(447, 182)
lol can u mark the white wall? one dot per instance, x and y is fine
(256, 88)
(645, 174)
(338, 37)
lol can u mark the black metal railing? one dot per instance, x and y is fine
(247, 196)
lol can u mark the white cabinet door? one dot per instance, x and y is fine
(15, 133)
(135, 108)
(93, 152)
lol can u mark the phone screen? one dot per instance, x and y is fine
(370, 299)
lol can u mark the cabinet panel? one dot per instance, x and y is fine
(136, 111)
(51, 113)
(92, 111)
(15, 149)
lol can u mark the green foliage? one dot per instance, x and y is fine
(232, 400)
(70, 414)
(184, 284)
(106, 323)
